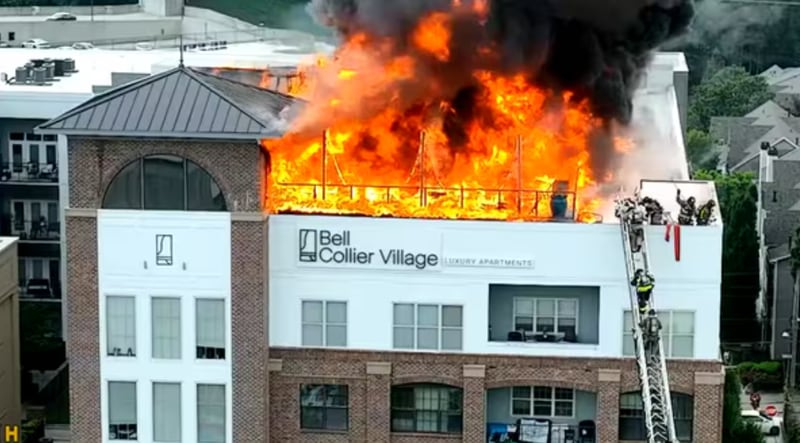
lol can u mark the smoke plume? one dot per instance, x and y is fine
(596, 49)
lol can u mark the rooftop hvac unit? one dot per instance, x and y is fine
(49, 70)
(69, 66)
(37, 62)
(21, 75)
(58, 67)
(39, 76)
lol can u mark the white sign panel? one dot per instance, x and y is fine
(368, 249)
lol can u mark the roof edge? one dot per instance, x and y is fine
(161, 135)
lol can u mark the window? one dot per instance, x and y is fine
(121, 326)
(210, 329)
(35, 219)
(164, 182)
(677, 334)
(30, 159)
(211, 413)
(12, 36)
(122, 410)
(38, 277)
(426, 408)
(167, 412)
(546, 315)
(166, 328)
(431, 327)
(542, 401)
(324, 407)
(324, 323)
(631, 416)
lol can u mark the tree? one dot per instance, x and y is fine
(730, 92)
(738, 198)
(700, 150)
(734, 429)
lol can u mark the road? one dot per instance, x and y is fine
(767, 399)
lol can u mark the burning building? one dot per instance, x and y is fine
(371, 254)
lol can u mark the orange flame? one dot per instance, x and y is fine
(352, 152)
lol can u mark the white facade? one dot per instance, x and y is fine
(199, 253)
(548, 254)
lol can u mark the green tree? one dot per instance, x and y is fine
(738, 198)
(734, 429)
(700, 150)
(730, 92)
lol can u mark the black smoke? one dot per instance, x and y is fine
(594, 48)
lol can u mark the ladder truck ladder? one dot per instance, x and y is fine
(650, 362)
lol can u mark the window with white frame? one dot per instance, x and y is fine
(166, 319)
(32, 149)
(35, 219)
(424, 326)
(534, 314)
(166, 412)
(210, 329)
(542, 401)
(122, 411)
(324, 323)
(211, 413)
(120, 326)
(677, 334)
(34, 276)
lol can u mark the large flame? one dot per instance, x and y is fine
(352, 151)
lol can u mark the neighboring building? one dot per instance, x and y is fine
(785, 83)
(193, 312)
(10, 399)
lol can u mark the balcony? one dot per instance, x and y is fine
(39, 230)
(544, 316)
(18, 172)
(39, 289)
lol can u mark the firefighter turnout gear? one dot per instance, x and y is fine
(644, 283)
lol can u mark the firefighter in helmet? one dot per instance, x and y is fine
(644, 283)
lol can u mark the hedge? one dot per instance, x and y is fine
(763, 376)
(734, 429)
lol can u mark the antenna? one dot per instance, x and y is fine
(180, 36)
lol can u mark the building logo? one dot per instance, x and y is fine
(163, 249)
(11, 434)
(308, 245)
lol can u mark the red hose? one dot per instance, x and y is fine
(677, 242)
(666, 235)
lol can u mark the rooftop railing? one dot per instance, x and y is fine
(29, 172)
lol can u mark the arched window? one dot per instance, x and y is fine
(631, 416)
(427, 408)
(164, 182)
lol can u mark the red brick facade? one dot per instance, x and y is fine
(266, 381)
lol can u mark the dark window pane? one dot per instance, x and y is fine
(125, 190)
(336, 419)
(203, 192)
(164, 182)
(426, 408)
(16, 136)
(324, 407)
(50, 154)
(312, 418)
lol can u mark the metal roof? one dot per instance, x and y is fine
(178, 103)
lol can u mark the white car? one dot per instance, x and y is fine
(768, 425)
(82, 45)
(36, 43)
(62, 17)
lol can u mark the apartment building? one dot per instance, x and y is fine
(10, 400)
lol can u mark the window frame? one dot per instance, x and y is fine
(636, 399)
(415, 326)
(440, 412)
(532, 399)
(535, 314)
(185, 163)
(135, 384)
(153, 322)
(667, 338)
(324, 323)
(225, 330)
(123, 352)
(326, 388)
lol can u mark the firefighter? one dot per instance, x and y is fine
(705, 213)
(686, 214)
(651, 326)
(644, 282)
(755, 400)
(653, 211)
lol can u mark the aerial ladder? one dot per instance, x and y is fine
(650, 361)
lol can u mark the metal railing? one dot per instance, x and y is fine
(39, 289)
(29, 172)
(35, 230)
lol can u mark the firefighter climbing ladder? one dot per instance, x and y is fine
(650, 363)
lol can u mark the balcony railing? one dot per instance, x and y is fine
(29, 172)
(35, 230)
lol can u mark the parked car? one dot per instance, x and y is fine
(768, 425)
(4, 45)
(82, 45)
(36, 43)
(62, 17)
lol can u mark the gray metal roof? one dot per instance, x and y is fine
(180, 103)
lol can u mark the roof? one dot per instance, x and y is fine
(180, 102)
(6, 242)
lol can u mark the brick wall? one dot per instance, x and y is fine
(370, 388)
(239, 170)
